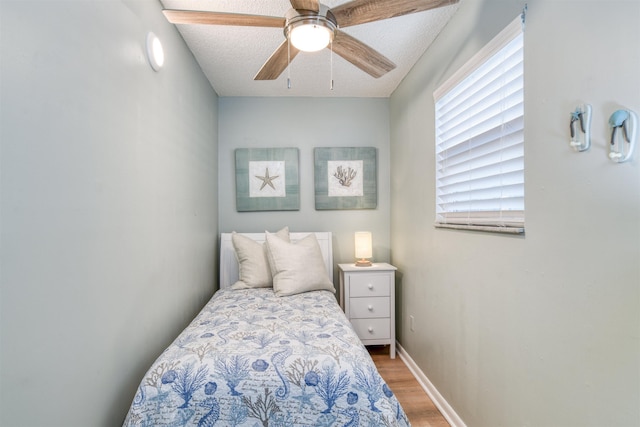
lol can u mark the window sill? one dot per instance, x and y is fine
(484, 228)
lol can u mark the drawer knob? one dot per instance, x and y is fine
(370, 329)
(370, 286)
(370, 307)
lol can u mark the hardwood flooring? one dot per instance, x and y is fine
(416, 403)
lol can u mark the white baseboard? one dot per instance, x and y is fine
(440, 402)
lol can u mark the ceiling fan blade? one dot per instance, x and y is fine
(277, 62)
(362, 56)
(361, 11)
(305, 5)
(221, 18)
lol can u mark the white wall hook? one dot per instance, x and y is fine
(624, 125)
(580, 127)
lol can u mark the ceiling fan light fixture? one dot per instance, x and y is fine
(310, 37)
(310, 33)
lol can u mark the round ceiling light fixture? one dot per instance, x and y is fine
(155, 53)
(309, 33)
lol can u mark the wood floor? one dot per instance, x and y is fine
(415, 402)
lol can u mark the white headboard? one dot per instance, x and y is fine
(229, 262)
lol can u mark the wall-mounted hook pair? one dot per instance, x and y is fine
(581, 135)
(624, 124)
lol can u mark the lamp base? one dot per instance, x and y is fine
(363, 263)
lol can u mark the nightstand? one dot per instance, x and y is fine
(367, 296)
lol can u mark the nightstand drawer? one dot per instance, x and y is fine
(372, 329)
(369, 285)
(369, 307)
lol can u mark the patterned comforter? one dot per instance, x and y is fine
(253, 359)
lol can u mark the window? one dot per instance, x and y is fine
(480, 139)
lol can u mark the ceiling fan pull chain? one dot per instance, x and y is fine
(288, 63)
(331, 65)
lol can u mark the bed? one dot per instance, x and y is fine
(255, 357)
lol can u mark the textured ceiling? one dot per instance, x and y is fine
(231, 56)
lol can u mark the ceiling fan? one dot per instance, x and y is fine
(310, 26)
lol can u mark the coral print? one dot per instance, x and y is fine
(345, 175)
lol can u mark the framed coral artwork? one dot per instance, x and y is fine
(267, 179)
(345, 178)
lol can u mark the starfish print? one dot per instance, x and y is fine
(305, 399)
(267, 180)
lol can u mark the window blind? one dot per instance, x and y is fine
(480, 139)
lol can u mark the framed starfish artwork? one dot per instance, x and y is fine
(267, 179)
(345, 178)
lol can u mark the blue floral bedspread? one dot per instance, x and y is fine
(253, 359)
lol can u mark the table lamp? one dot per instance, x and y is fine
(363, 248)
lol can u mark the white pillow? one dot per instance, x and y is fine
(253, 266)
(297, 267)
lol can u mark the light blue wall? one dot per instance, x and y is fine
(540, 330)
(306, 123)
(108, 205)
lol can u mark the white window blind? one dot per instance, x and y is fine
(480, 139)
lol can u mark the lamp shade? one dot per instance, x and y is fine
(363, 244)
